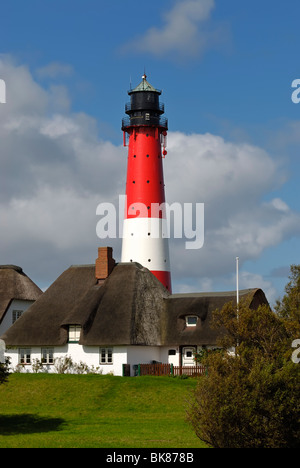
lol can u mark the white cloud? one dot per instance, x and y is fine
(232, 180)
(54, 171)
(213, 170)
(62, 218)
(186, 32)
(23, 95)
(251, 280)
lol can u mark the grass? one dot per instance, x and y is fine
(90, 411)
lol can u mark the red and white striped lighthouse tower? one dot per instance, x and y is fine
(145, 238)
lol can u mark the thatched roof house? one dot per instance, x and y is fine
(16, 290)
(130, 309)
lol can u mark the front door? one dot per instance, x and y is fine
(188, 356)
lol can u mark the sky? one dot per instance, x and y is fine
(226, 70)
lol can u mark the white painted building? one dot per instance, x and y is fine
(98, 359)
(17, 294)
(113, 318)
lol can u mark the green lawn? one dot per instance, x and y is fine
(42, 410)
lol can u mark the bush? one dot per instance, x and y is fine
(249, 399)
(4, 371)
(65, 365)
(237, 406)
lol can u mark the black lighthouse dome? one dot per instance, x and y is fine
(144, 107)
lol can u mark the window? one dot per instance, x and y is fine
(150, 97)
(74, 333)
(172, 352)
(24, 356)
(106, 356)
(47, 355)
(16, 314)
(191, 320)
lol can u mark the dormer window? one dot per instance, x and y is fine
(74, 333)
(191, 320)
(16, 314)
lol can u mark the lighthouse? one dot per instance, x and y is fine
(145, 234)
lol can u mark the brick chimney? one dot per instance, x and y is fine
(104, 263)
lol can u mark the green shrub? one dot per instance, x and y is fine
(250, 398)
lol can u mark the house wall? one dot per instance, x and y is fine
(148, 354)
(141, 355)
(89, 355)
(16, 304)
(167, 358)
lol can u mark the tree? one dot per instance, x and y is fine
(250, 398)
(4, 371)
(289, 307)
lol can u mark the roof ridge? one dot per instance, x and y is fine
(11, 267)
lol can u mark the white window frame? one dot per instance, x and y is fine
(74, 333)
(106, 355)
(16, 314)
(189, 317)
(47, 356)
(25, 356)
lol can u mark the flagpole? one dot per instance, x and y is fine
(237, 292)
(237, 286)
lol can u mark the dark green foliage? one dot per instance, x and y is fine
(4, 372)
(250, 398)
(289, 307)
(247, 406)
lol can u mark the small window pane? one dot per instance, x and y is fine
(106, 356)
(103, 355)
(44, 356)
(47, 355)
(24, 356)
(191, 321)
(16, 314)
(74, 333)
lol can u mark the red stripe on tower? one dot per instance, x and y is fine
(145, 237)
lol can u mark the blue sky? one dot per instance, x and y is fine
(225, 68)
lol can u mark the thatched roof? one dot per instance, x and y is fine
(201, 305)
(41, 324)
(14, 284)
(131, 307)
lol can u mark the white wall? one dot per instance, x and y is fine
(141, 355)
(173, 359)
(147, 354)
(89, 355)
(14, 305)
